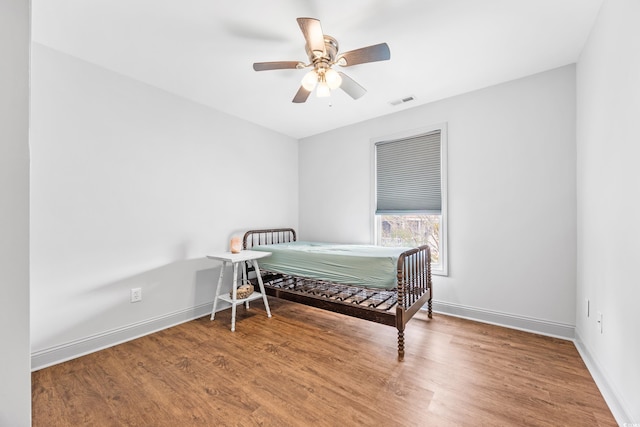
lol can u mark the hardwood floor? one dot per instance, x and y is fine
(307, 367)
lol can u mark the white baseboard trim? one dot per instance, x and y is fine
(527, 324)
(616, 404)
(74, 349)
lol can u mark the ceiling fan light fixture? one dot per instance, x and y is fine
(322, 51)
(310, 80)
(332, 78)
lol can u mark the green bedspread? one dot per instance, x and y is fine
(357, 265)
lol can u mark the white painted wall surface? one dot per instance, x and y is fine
(512, 238)
(131, 187)
(15, 367)
(608, 110)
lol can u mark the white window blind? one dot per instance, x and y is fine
(408, 175)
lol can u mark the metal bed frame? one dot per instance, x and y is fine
(393, 307)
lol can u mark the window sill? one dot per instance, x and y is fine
(439, 272)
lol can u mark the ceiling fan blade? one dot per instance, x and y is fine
(377, 52)
(301, 96)
(277, 65)
(312, 32)
(351, 87)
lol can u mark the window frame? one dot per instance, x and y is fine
(441, 269)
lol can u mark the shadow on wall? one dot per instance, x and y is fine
(69, 325)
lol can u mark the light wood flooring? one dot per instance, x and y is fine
(307, 367)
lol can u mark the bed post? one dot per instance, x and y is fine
(401, 306)
(400, 345)
(430, 284)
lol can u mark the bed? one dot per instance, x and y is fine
(383, 285)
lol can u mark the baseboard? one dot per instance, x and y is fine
(74, 349)
(616, 404)
(542, 327)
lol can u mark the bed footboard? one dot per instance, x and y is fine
(414, 288)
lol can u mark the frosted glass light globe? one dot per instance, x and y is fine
(332, 78)
(310, 80)
(323, 90)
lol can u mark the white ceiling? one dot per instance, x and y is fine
(203, 50)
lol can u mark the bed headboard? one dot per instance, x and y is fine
(268, 237)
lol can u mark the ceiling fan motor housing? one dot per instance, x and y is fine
(331, 52)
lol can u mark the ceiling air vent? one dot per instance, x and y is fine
(402, 101)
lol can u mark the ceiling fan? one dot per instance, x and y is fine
(322, 51)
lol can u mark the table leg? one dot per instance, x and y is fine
(245, 281)
(233, 298)
(215, 299)
(264, 295)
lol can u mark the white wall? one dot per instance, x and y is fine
(512, 238)
(130, 187)
(608, 110)
(15, 373)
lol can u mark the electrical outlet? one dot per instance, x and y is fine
(136, 294)
(599, 320)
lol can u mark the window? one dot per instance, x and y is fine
(410, 192)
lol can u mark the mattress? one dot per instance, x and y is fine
(357, 265)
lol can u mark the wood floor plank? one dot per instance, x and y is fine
(306, 366)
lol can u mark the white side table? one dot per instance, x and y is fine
(228, 257)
